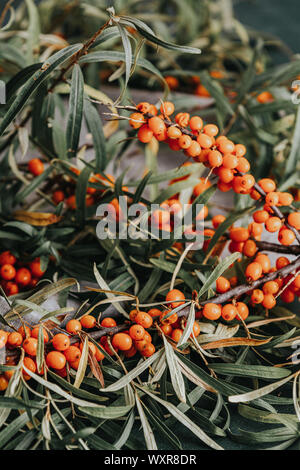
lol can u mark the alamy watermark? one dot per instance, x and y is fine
(2, 92)
(184, 223)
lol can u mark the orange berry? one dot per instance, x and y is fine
(72, 353)
(122, 341)
(144, 134)
(225, 175)
(242, 311)
(205, 141)
(91, 346)
(255, 229)
(230, 161)
(265, 97)
(182, 119)
(172, 82)
(23, 277)
(233, 281)
(218, 220)
(71, 202)
(73, 326)
(240, 150)
(36, 166)
(270, 287)
(144, 107)
(29, 364)
(7, 258)
(226, 146)
(176, 334)
(222, 285)
(136, 120)
(58, 196)
(11, 288)
(239, 234)
(30, 346)
(131, 352)
(3, 338)
(170, 319)
(35, 334)
(264, 261)
(7, 272)
(196, 329)
(149, 350)
(142, 318)
(272, 198)
(88, 321)
(201, 186)
(212, 311)
(99, 356)
(14, 339)
(286, 237)
(196, 123)
(285, 199)
(294, 220)
(167, 108)
(108, 322)
(35, 268)
(267, 185)
(194, 149)
(74, 365)
(211, 130)
(61, 342)
(269, 301)
(137, 332)
(287, 296)
(202, 91)
(184, 141)
(25, 333)
(249, 248)
(176, 297)
(156, 125)
(173, 132)
(133, 314)
(243, 165)
(257, 296)
(56, 360)
(253, 271)
(3, 383)
(281, 262)
(229, 312)
(215, 158)
(261, 216)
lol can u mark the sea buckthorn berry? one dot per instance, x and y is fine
(230, 161)
(205, 141)
(172, 82)
(137, 332)
(72, 353)
(56, 360)
(7, 272)
(23, 277)
(222, 285)
(202, 91)
(173, 144)
(176, 297)
(226, 146)
(8, 374)
(153, 110)
(215, 158)
(270, 287)
(265, 97)
(61, 342)
(131, 352)
(267, 185)
(166, 329)
(144, 319)
(255, 230)
(108, 322)
(212, 311)
(122, 341)
(30, 346)
(285, 199)
(184, 141)
(196, 329)
(294, 220)
(211, 130)
(287, 296)
(73, 326)
(58, 196)
(173, 132)
(239, 234)
(225, 175)
(238, 187)
(7, 258)
(11, 288)
(99, 356)
(91, 346)
(281, 262)
(286, 237)
(243, 165)
(30, 365)
(257, 296)
(14, 339)
(234, 247)
(36, 166)
(88, 321)
(182, 119)
(218, 220)
(264, 261)
(194, 149)
(144, 107)
(148, 351)
(168, 320)
(255, 195)
(71, 202)
(156, 125)
(196, 123)
(3, 383)
(35, 333)
(25, 332)
(202, 186)
(269, 301)
(176, 334)
(261, 216)
(133, 314)
(167, 108)
(74, 365)
(136, 120)
(144, 134)
(242, 311)
(253, 271)
(229, 312)
(35, 268)
(148, 337)
(272, 198)
(247, 181)
(249, 248)
(3, 338)
(240, 150)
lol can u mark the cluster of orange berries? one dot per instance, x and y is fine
(15, 276)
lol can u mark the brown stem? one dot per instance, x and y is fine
(276, 248)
